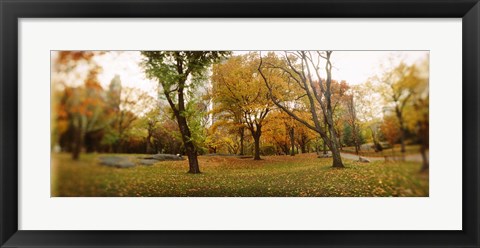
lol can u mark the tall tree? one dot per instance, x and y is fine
(79, 106)
(303, 69)
(352, 121)
(391, 129)
(368, 110)
(237, 85)
(86, 110)
(398, 85)
(417, 115)
(179, 72)
(280, 131)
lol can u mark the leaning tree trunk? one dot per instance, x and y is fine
(334, 145)
(337, 159)
(324, 141)
(190, 148)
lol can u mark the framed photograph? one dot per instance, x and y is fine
(246, 124)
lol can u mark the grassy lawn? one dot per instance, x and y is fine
(302, 175)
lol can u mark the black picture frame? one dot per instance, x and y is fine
(11, 11)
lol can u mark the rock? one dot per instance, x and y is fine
(328, 155)
(146, 157)
(164, 157)
(116, 161)
(363, 160)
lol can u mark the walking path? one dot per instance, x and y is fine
(410, 157)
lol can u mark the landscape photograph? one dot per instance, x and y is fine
(240, 123)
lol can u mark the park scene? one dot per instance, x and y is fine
(296, 123)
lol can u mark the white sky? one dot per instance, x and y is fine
(126, 64)
(355, 67)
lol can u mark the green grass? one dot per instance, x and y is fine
(302, 175)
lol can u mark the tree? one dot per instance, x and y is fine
(353, 122)
(80, 109)
(179, 72)
(237, 89)
(150, 121)
(398, 89)
(417, 114)
(391, 129)
(422, 128)
(280, 131)
(303, 69)
(368, 109)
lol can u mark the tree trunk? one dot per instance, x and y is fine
(337, 159)
(424, 134)
(402, 129)
(303, 148)
(149, 145)
(77, 143)
(190, 148)
(340, 141)
(256, 138)
(242, 137)
(324, 141)
(292, 141)
(355, 140)
(192, 158)
(402, 140)
(425, 162)
(334, 146)
(256, 131)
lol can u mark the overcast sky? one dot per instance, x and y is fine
(355, 67)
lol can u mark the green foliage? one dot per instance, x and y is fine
(111, 137)
(172, 67)
(348, 136)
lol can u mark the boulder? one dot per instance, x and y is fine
(164, 157)
(116, 161)
(327, 155)
(363, 160)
